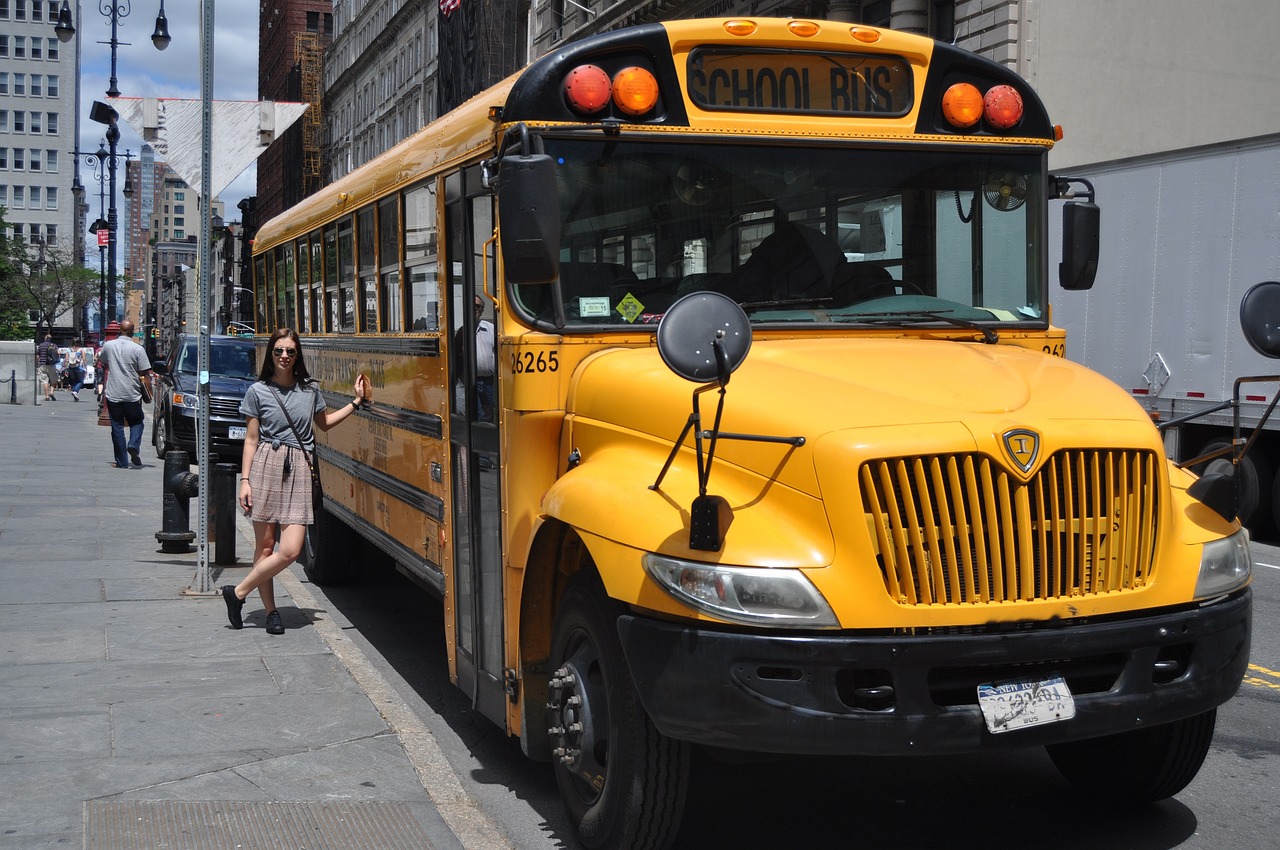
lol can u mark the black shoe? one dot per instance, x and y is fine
(135, 457)
(275, 626)
(234, 604)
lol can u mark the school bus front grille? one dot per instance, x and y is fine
(953, 530)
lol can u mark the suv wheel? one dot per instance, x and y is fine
(160, 435)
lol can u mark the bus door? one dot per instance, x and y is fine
(477, 612)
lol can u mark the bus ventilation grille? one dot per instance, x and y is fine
(953, 530)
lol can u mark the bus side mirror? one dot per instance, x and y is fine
(529, 217)
(1080, 227)
(1260, 318)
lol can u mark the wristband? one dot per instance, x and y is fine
(244, 478)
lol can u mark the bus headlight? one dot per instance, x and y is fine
(780, 598)
(1225, 565)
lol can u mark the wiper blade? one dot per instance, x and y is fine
(989, 336)
(787, 302)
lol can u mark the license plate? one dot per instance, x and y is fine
(237, 432)
(1018, 704)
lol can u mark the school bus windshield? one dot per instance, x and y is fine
(795, 234)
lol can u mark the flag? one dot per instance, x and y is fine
(447, 6)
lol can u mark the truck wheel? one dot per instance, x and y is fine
(326, 552)
(1255, 482)
(621, 781)
(1144, 765)
(160, 435)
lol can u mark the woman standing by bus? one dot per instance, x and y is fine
(282, 410)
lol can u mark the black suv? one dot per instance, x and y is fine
(232, 368)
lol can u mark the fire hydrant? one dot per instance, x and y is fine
(180, 484)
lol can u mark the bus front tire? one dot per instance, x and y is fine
(326, 556)
(1144, 765)
(622, 782)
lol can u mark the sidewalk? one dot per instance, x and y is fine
(132, 715)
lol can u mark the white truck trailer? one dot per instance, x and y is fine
(1184, 236)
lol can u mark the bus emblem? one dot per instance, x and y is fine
(1023, 447)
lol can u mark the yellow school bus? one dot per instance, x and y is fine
(718, 399)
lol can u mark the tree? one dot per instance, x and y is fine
(38, 278)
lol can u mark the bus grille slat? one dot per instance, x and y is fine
(961, 530)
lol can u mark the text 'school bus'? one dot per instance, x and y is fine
(717, 397)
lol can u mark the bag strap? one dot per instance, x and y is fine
(280, 399)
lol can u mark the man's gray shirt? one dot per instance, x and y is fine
(125, 361)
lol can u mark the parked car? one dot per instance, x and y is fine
(232, 368)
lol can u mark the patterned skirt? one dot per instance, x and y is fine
(278, 496)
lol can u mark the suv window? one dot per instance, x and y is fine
(234, 361)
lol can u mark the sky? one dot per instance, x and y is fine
(143, 71)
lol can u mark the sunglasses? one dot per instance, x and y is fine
(285, 352)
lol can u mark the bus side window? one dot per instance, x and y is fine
(420, 252)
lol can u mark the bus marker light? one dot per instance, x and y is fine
(804, 29)
(587, 88)
(962, 105)
(1002, 107)
(864, 35)
(635, 90)
(1057, 132)
(739, 26)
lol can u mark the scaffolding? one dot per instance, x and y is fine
(308, 55)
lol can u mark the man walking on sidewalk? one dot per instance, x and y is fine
(46, 357)
(125, 363)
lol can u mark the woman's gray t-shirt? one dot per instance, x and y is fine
(303, 403)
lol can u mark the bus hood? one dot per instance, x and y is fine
(871, 397)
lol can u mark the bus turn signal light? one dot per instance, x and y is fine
(962, 105)
(1002, 107)
(587, 88)
(635, 91)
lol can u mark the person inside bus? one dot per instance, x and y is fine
(485, 387)
(283, 409)
(794, 262)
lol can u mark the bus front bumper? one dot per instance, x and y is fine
(878, 694)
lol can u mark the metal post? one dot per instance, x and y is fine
(203, 581)
(225, 478)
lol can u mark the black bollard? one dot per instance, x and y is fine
(222, 511)
(180, 484)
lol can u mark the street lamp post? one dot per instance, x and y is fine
(65, 29)
(98, 163)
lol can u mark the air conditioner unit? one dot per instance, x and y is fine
(557, 34)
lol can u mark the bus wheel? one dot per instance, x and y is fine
(622, 782)
(1144, 765)
(327, 550)
(1255, 482)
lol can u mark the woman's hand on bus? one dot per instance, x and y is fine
(363, 391)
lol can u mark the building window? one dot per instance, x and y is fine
(35, 197)
(4, 10)
(34, 160)
(35, 122)
(19, 159)
(51, 52)
(51, 233)
(4, 47)
(20, 85)
(19, 47)
(4, 82)
(19, 198)
(51, 123)
(51, 85)
(51, 198)
(36, 85)
(51, 161)
(4, 158)
(4, 195)
(37, 48)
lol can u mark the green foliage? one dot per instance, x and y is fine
(39, 278)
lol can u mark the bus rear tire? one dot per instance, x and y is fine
(622, 782)
(1255, 482)
(1145, 765)
(326, 556)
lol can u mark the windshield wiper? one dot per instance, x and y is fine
(989, 336)
(788, 302)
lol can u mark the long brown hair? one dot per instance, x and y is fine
(268, 371)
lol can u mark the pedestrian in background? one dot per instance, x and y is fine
(282, 410)
(75, 369)
(124, 363)
(46, 365)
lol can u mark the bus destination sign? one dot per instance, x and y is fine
(789, 82)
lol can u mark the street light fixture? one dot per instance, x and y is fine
(104, 114)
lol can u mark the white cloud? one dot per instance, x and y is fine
(143, 71)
